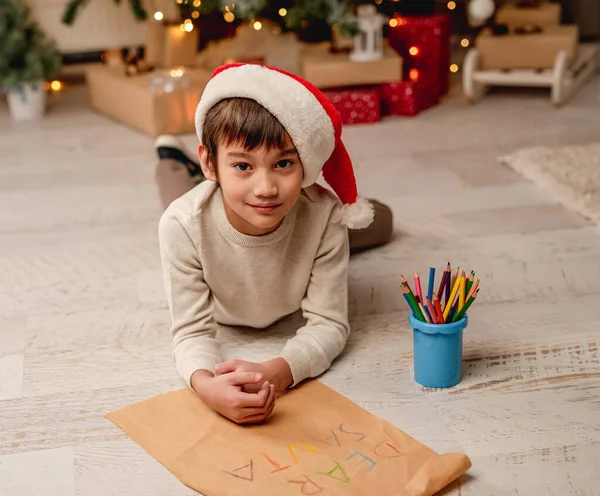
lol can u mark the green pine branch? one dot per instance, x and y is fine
(74, 7)
(27, 55)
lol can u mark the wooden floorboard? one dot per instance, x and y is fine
(84, 327)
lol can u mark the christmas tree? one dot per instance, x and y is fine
(312, 20)
(26, 54)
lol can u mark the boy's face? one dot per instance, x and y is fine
(259, 186)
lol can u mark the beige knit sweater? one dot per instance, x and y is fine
(215, 275)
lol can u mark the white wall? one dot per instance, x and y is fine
(101, 24)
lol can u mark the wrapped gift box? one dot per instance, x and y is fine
(408, 98)
(423, 42)
(146, 103)
(169, 46)
(325, 69)
(526, 51)
(546, 14)
(356, 105)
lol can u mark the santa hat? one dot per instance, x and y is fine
(312, 122)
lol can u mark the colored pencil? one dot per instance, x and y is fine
(448, 274)
(461, 313)
(451, 301)
(473, 289)
(432, 311)
(408, 300)
(454, 277)
(443, 282)
(405, 297)
(415, 307)
(418, 287)
(438, 308)
(470, 282)
(453, 312)
(405, 283)
(461, 290)
(431, 281)
(424, 312)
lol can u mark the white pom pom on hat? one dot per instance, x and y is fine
(313, 123)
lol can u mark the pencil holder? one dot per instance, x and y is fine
(437, 352)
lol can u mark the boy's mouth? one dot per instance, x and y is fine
(265, 207)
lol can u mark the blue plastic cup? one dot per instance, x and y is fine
(437, 352)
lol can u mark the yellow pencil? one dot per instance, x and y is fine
(452, 297)
(461, 291)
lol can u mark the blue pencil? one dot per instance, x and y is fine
(431, 281)
(407, 300)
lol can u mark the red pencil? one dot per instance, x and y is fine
(418, 287)
(438, 309)
(432, 311)
(405, 284)
(443, 282)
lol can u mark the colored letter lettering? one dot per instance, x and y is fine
(385, 450)
(333, 436)
(350, 432)
(249, 477)
(305, 447)
(365, 458)
(278, 467)
(342, 477)
(308, 486)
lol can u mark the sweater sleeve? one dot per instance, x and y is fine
(325, 306)
(193, 328)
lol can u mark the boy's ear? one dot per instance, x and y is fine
(206, 164)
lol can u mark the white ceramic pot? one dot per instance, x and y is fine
(28, 101)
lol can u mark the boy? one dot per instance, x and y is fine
(257, 240)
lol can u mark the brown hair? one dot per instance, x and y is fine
(241, 121)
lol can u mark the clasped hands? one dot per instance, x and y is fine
(242, 391)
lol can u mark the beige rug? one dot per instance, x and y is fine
(571, 173)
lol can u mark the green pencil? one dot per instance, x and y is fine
(415, 306)
(470, 282)
(459, 315)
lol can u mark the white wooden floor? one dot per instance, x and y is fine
(83, 327)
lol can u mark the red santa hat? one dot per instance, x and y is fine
(312, 122)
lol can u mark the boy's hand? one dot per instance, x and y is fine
(224, 395)
(276, 371)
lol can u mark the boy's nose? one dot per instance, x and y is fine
(265, 187)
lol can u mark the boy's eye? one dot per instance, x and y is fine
(242, 167)
(285, 164)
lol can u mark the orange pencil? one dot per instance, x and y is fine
(438, 309)
(473, 289)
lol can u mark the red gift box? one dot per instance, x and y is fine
(408, 98)
(424, 44)
(356, 105)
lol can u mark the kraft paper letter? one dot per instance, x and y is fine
(316, 442)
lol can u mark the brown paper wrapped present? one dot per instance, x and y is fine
(132, 100)
(315, 442)
(546, 14)
(325, 69)
(527, 51)
(169, 46)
